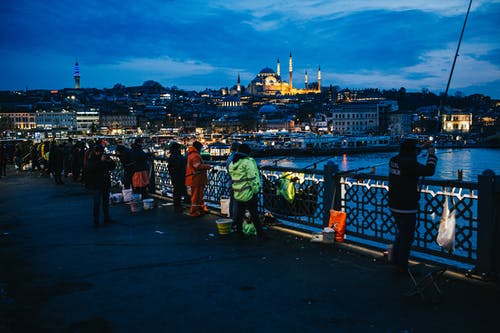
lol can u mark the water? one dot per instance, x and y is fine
(472, 161)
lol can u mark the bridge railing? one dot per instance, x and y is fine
(364, 197)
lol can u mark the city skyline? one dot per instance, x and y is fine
(205, 44)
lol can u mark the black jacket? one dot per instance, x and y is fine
(404, 171)
(98, 173)
(177, 168)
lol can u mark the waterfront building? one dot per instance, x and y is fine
(86, 118)
(361, 116)
(117, 123)
(51, 119)
(457, 122)
(21, 120)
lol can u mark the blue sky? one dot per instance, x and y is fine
(205, 44)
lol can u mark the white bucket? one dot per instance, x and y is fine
(148, 203)
(328, 235)
(127, 195)
(224, 206)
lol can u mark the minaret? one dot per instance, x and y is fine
(76, 76)
(319, 78)
(278, 68)
(290, 70)
(238, 89)
(305, 80)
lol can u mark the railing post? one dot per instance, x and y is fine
(488, 234)
(331, 186)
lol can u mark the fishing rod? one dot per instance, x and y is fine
(453, 65)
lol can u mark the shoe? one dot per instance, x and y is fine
(193, 215)
(109, 221)
(96, 224)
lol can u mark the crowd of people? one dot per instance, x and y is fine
(86, 162)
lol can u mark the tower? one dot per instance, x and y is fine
(290, 70)
(76, 76)
(238, 88)
(319, 78)
(278, 68)
(305, 79)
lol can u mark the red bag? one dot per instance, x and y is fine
(337, 222)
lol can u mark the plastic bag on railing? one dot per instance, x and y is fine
(446, 232)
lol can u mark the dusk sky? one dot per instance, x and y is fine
(205, 44)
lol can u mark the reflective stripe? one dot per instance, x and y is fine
(403, 211)
(243, 179)
(242, 189)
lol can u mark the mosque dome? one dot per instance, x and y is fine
(267, 71)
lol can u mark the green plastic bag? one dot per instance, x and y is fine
(249, 229)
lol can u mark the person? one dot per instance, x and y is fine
(404, 173)
(35, 158)
(235, 145)
(177, 170)
(125, 156)
(140, 177)
(99, 182)
(18, 158)
(57, 158)
(246, 186)
(77, 160)
(196, 179)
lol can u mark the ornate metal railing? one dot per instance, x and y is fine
(365, 200)
(364, 197)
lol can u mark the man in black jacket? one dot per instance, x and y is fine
(177, 170)
(404, 172)
(99, 182)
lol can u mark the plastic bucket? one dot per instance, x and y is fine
(224, 226)
(224, 206)
(148, 203)
(328, 235)
(135, 206)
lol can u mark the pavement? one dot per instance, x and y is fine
(154, 271)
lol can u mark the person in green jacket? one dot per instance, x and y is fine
(246, 186)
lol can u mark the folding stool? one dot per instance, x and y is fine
(422, 277)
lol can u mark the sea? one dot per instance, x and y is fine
(471, 162)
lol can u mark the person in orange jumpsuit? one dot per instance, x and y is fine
(196, 179)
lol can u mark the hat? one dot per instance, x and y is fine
(244, 148)
(408, 146)
(174, 146)
(197, 145)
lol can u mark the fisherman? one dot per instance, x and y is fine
(196, 179)
(404, 172)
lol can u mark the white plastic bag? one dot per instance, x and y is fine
(446, 233)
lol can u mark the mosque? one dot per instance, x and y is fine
(269, 82)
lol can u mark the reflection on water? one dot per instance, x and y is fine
(472, 161)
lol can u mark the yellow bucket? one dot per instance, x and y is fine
(224, 226)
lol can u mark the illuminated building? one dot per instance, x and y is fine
(269, 82)
(457, 122)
